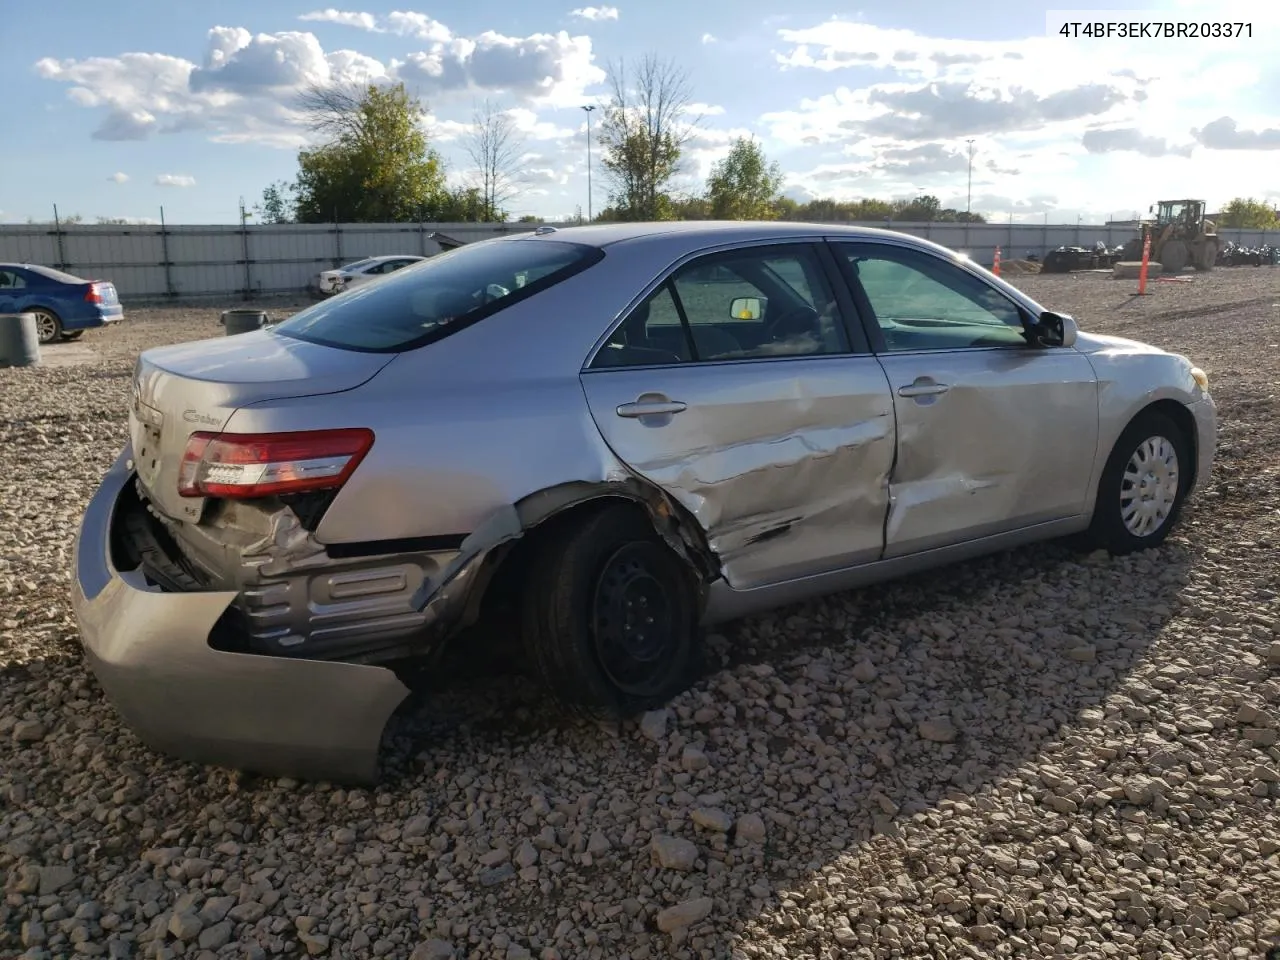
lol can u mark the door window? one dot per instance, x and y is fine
(11, 281)
(921, 302)
(754, 303)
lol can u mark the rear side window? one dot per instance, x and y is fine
(441, 295)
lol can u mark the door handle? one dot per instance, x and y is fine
(650, 408)
(923, 389)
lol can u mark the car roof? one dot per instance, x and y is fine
(695, 233)
(48, 272)
(602, 234)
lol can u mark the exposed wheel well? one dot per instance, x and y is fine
(512, 568)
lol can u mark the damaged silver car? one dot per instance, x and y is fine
(635, 430)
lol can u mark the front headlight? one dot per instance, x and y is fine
(1200, 377)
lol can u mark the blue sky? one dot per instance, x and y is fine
(121, 108)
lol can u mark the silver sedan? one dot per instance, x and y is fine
(627, 432)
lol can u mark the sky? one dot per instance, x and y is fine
(123, 108)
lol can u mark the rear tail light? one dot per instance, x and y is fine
(245, 466)
(93, 294)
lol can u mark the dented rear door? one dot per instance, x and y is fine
(784, 462)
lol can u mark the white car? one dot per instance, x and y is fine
(362, 271)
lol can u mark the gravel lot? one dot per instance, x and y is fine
(1036, 754)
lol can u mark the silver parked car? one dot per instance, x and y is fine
(633, 430)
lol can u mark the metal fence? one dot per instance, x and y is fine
(147, 262)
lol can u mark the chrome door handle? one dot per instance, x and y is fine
(650, 408)
(923, 390)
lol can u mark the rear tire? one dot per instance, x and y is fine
(48, 325)
(610, 617)
(1143, 486)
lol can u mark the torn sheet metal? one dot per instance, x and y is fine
(784, 465)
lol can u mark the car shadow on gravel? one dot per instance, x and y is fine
(842, 719)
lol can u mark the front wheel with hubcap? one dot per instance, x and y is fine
(48, 326)
(610, 616)
(1143, 485)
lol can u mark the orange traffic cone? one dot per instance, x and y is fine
(995, 267)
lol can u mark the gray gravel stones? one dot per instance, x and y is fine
(1033, 755)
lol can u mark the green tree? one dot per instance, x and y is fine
(1249, 214)
(744, 185)
(458, 205)
(377, 165)
(276, 205)
(643, 134)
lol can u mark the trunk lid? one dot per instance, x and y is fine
(190, 387)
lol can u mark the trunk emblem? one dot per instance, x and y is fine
(195, 416)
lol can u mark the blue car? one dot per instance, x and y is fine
(64, 306)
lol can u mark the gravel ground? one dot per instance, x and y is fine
(1036, 754)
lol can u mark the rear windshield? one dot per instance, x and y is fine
(51, 274)
(429, 300)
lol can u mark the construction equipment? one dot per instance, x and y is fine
(1180, 236)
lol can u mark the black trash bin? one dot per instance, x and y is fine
(242, 320)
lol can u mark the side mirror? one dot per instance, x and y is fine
(1055, 329)
(746, 308)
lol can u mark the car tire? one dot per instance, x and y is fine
(48, 325)
(1142, 455)
(578, 610)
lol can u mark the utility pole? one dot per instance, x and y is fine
(588, 108)
(968, 205)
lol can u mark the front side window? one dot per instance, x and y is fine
(921, 302)
(765, 301)
(450, 291)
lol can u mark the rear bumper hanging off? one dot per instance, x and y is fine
(150, 651)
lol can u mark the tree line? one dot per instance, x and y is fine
(375, 164)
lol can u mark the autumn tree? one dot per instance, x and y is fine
(1249, 214)
(376, 164)
(745, 184)
(494, 145)
(643, 134)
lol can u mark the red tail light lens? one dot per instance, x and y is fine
(93, 294)
(245, 466)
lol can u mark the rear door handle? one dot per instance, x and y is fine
(923, 389)
(651, 408)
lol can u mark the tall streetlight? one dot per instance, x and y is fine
(968, 205)
(588, 108)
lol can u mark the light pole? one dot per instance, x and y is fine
(588, 108)
(968, 204)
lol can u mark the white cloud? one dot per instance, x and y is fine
(118, 177)
(245, 88)
(595, 13)
(544, 68)
(933, 87)
(365, 21)
(175, 180)
(708, 38)
(704, 109)
(418, 25)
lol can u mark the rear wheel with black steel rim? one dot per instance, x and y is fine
(610, 616)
